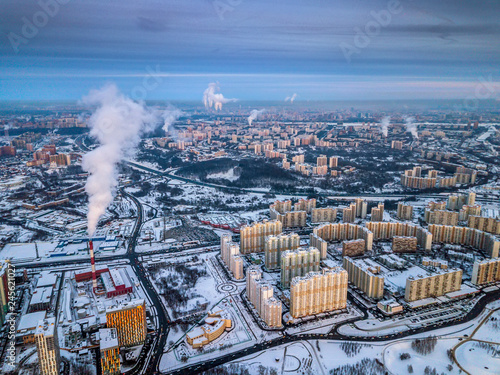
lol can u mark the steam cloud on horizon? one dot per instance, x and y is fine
(117, 123)
(170, 115)
(411, 127)
(291, 98)
(254, 115)
(384, 125)
(213, 98)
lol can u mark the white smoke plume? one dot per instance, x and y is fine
(117, 123)
(170, 116)
(254, 114)
(213, 98)
(411, 126)
(291, 98)
(384, 125)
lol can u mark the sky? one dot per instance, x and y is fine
(255, 49)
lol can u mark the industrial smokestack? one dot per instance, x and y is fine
(411, 127)
(213, 98)
(384, 125)
(170, 116)
(117, 123)
(92, 263)
(254, 115)
(291, 98)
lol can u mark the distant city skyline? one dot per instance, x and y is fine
(255, 50)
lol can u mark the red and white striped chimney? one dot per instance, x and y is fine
(92, 262)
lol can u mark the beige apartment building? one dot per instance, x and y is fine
(433, 285)
(339, 232)
(252, 237)
(486, 224)
(230, 254)
(275, 245)
(386, 231)
(324, 215)
(318, 292)
(365, 275)
(349, 213)
(405, 212)
(298, 262)
(260, 295)
(333, 162)
(457, 201)
(321, 161)
(353, 248)
(412, 178)
(306, 205)
(486, 271)
(466, 211)
(441, 217)
(466, 236)
(377, 213)
(403, 244)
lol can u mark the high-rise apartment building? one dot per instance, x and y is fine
(322, 160)
(405, 212)
(361, 207)
(441, 217)
(47, 347)
(403, 244)
(230, 254)
(456, 201)
(387, 230)
(333, 162)
(339, 232)
(324, 215)
(365, 275)
(486, 224)
(486, 271)
(252, 237)
(6, 275)
(306, 205)
(318, 292)
(353, 248)
(297, 263)
(129, 319)
(110, 351)
(349, 213)
(260, 295)
(466, 211)
(412, 178)
(433, 284)
(377, 213)
(275, 245)
(397, 145)
(466, 236)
